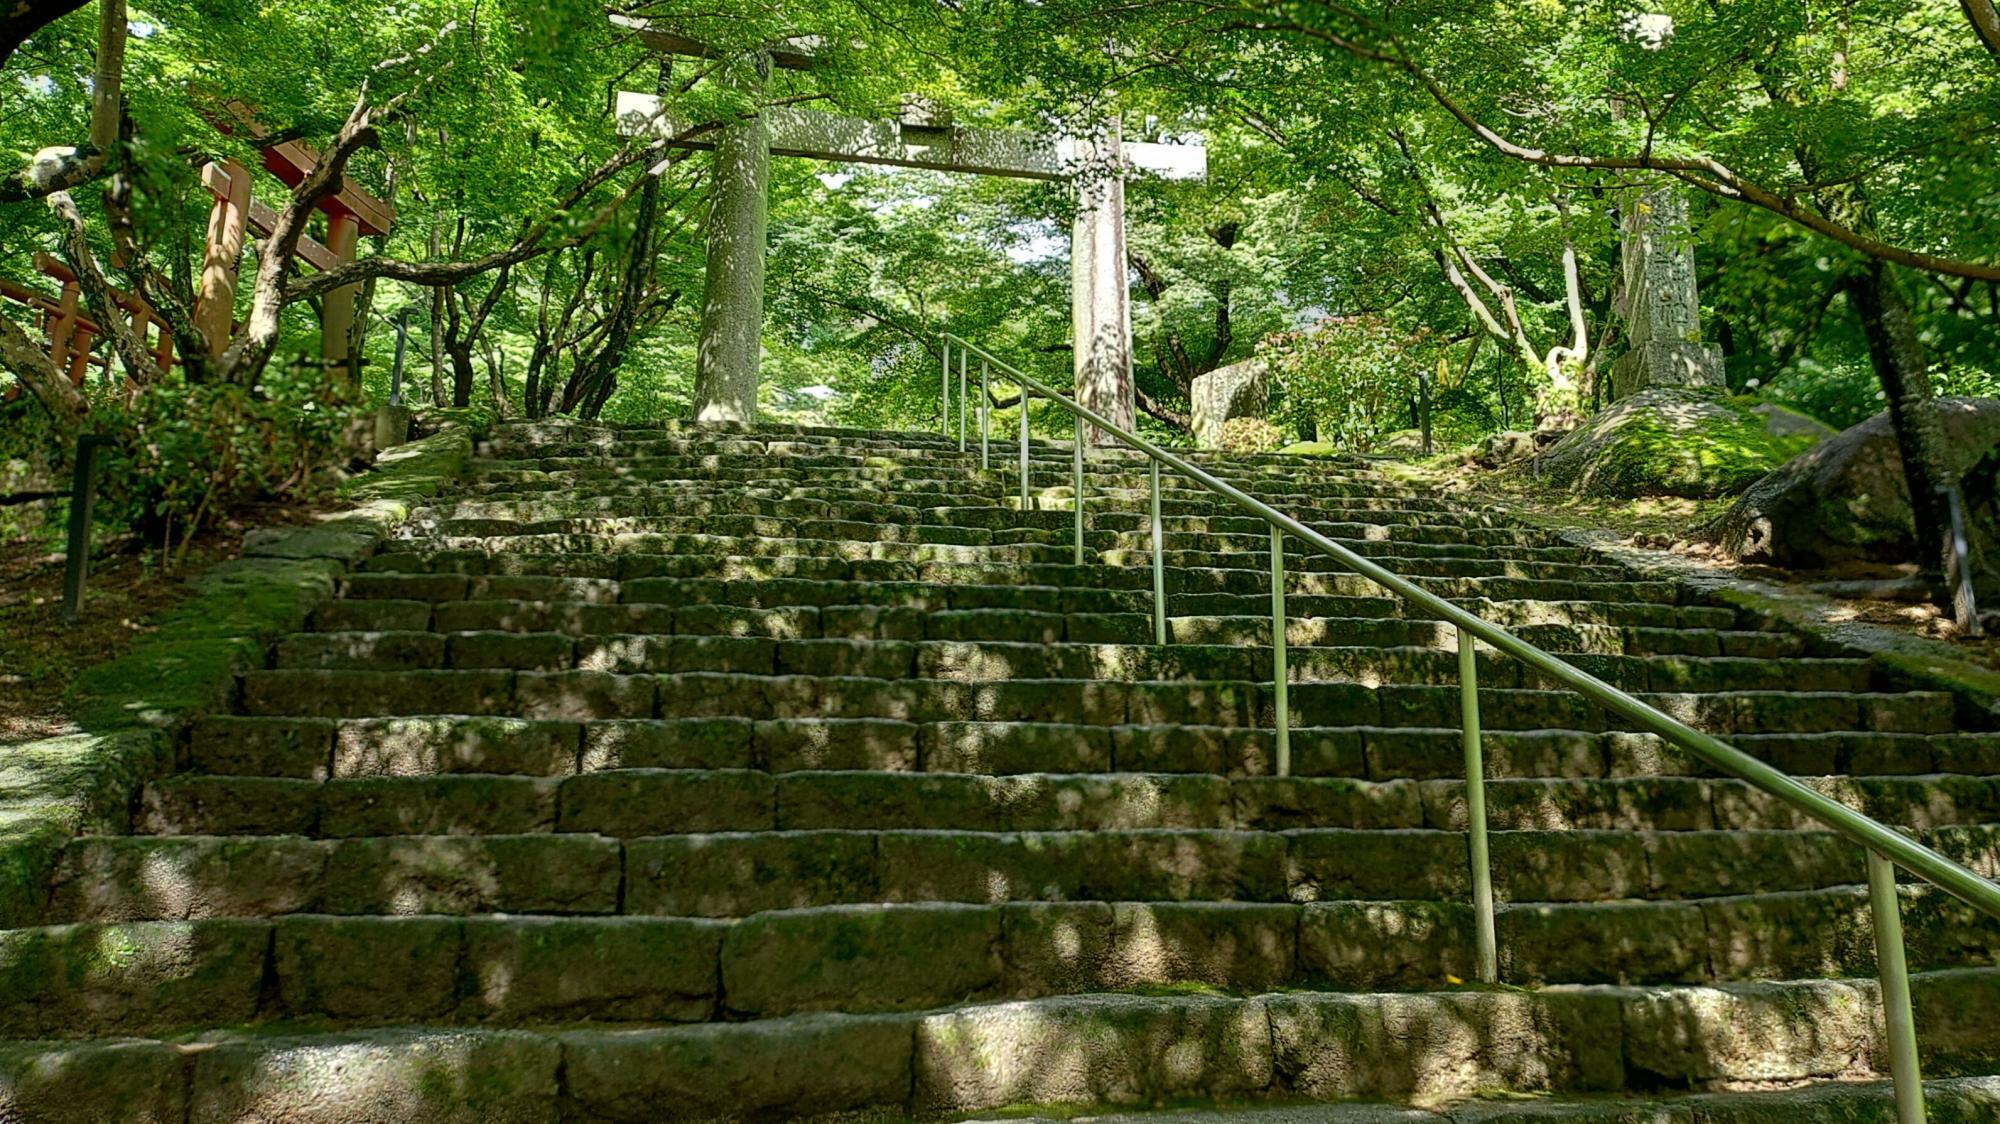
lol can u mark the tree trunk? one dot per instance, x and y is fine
(1985, 19)
(463, 377)
(1898, 357)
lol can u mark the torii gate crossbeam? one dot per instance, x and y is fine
(726, 374)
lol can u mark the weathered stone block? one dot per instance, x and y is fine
(1098, 1049)
(559, 969)
(132, 1082)
(1445, 1045)
(144, 879)
(775, 1068)
(276, 747)
(420, 746)
(691, 743)
(473, 874)
(443, 1076)
(860, 958)
(440, 805)
(1753, 1032)
(1240, 390)
(635, 802)
(384, 969)
(738, 875)
(130, 978)
(1242, 946)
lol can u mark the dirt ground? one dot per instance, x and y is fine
(128, 589)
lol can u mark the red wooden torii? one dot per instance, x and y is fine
(71, 334)
(350, 213)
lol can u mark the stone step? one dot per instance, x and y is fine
(316, 748)
(950, 526)
(858, 464)
(630, 803)
(587, 695)
(124, 878)
(988, 645)
(1080, 1051)
(687, 561)
(170, 976)
(923, 503)
(1185, 520)
(582, 603)
(1003, 613)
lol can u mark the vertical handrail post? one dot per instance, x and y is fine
(82, 502)
(944, 391)
(961, 399)
(1894, 970)
(985, 412)
(1078, 480)
(1159, 564)
(1487, 943)
(1024, 448)
(1280, 674)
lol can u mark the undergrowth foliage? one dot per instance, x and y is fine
(181, 454)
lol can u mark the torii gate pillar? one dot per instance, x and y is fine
(1100, 296)
(732, 300)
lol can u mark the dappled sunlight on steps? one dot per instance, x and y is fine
(667, 773)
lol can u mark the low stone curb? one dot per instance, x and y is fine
(131, 709)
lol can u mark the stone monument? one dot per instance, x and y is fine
(1662, 310)
(1240, 390)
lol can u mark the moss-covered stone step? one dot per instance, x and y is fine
(629, 803)
(1954, 1100)
(582, 603)
(835, 467)
(1080, 1051)
(588, 695)
(315, 748)
(984, 645)
(737, 874)
(163, 977)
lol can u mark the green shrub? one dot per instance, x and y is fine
(182, 453)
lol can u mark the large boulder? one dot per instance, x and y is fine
(1240, 390)
(1671, 441)
(1847, 501)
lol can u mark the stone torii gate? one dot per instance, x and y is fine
(732, 311)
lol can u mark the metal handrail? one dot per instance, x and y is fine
(1887, 849)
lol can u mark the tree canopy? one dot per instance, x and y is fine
(1399, 194)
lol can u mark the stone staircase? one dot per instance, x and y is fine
(677, 774)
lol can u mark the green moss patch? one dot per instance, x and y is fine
(1693, 443)
(128, 708)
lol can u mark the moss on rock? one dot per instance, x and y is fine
(1672, 442)
(57, 788)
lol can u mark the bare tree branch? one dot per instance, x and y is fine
(1702, 172)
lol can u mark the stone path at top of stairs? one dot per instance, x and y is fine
(665, 773)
